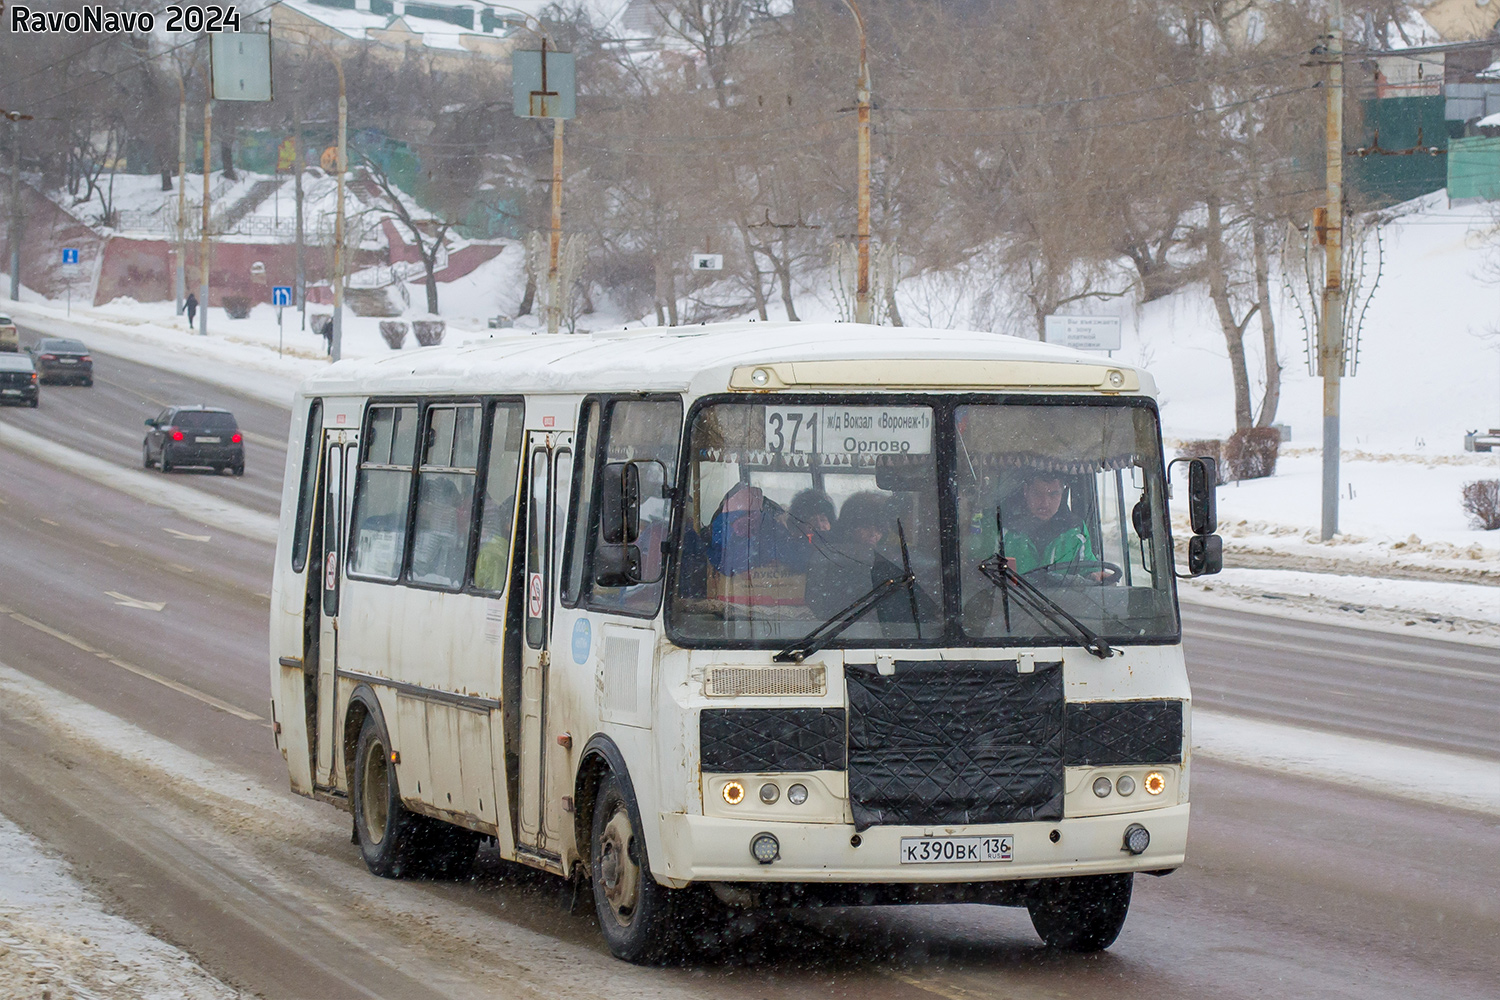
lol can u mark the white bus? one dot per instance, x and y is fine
(784, 613)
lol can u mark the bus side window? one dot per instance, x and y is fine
(445, 496)
(383, 492)
(642, 431)
(306, 496)
(575, 559)
(498, 509)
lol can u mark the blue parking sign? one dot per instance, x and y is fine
(281, 295)
(70, 255)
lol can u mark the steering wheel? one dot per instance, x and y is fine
(1108, 572)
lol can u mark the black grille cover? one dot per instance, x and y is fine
(955, 742)
(1124, 732)
(771, 739)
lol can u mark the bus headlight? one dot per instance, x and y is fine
(769, 793)
(797, 794)
(1126, 785)
(734, 792)
(1101, 786)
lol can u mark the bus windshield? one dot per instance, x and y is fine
(795, 510)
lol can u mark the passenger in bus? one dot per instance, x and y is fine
(843, 571)
(438, 548)
(809, 521)
(494, 543)
(747, 532)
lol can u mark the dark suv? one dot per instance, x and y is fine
(194, 435)
(60, 360)
(18, 380)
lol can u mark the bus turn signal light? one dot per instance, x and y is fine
(1156, 783)
(734, 792)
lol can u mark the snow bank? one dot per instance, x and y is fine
(1441, 779)
(55, 938)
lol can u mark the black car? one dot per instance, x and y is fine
(60, 360)
(18, 382)
(194, 435)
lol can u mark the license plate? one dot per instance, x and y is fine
(10, 392)
(955, 850)
(67, 361)
(207, 440)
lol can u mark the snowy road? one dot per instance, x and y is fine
(133, 744)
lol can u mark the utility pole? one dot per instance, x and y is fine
(862, 311)
(1331, 343)
(203, 250)
(299, 283)
(336, 342)
(16, 220)
(554, 289)
(181, 290)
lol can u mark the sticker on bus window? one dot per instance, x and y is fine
(849, 430)
(331, 573)
(534, 596)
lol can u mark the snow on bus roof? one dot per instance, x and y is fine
(665, 358)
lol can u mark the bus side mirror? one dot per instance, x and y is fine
(150, 421)
(1205, 555)
(620, 503)
(617, 565)
(1205, 549)
(1203, 507)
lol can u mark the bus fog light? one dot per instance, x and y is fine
(1137, 839)
(765, 848)
(769, 793)
(1101, 786)
(1125, 785)
(1156, 783)
(797, 794)
(734, 792)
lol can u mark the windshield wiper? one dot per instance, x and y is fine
(837, 623)
(997, 570)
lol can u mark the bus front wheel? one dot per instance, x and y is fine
(634, 910)
(387, 831)
(1081, 914)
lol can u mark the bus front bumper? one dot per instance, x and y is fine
(709, 849)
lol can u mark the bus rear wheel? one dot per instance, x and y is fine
(1081, 914)
(634, 910)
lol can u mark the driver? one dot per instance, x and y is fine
(1043, 532)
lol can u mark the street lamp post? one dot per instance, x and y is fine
(1332, 342)
(862, 310)
(181, 289)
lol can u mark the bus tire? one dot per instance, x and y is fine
(634, 910)
(1081, 914)
(389, 836)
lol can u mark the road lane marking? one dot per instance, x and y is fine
(947, 992)
(264, 440)
(105, 541)
(125, 600)
(48, 520)
(187, 537)
(181, 568)
(149, 675)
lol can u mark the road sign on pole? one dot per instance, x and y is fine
(708, 262)
(281, 295)
(1084, 333)
(70, 255)
(542, 83)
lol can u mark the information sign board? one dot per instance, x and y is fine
(1084, 333)
(542, 83)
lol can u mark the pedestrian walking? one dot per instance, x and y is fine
(191, 305)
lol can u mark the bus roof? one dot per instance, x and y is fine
(705, 359)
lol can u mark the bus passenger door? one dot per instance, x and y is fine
(334, 499)
(537, 835)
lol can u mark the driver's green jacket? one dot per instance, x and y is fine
(1071, 545)
(1032, 543)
